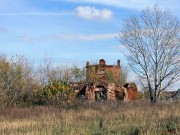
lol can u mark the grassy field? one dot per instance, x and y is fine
(92, 119)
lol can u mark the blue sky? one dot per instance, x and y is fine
(68, 31)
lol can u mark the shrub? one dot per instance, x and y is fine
(169, 126)
(123, 132)
(16, 80)
(140, 95)
(58, 92)
(134, 131)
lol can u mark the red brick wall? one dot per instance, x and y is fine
(100, 71)
(115, 72)
(132, 92)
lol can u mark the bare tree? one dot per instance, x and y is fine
(153, 45)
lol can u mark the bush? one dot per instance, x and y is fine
(20, 84)
(16, 80)
(134, 131)
(169, 126)
(58, 92)
(140, 95)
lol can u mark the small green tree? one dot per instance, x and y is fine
(109, 76)
(78, 74)
(92, 74)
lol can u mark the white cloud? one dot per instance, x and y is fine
(37, 13)
(70, 37)
(88, 37)
(92, 13)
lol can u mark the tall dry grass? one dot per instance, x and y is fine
(82, 118)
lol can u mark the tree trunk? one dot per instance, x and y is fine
(150, 92)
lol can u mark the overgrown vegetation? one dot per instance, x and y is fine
(40, 101)
(99, 118)
(22, 85)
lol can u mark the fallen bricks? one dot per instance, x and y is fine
(102, 91)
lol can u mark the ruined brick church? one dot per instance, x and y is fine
(102, 83)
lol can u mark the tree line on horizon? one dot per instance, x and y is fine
(23, 84)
